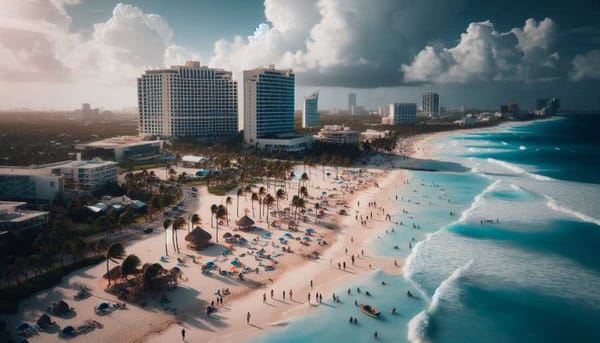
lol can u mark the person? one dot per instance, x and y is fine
(409, 294)
(394, 310)
(355, 302)
(291, 294)
(367, 293)
(311, 284)
(350, 320)
(383, 283)
(284, 294)
(264, 297)
(272, 293)
(355, 320)
(183, 334)
(248, 315)
(376, 335)
(348, 291)
(309, 297)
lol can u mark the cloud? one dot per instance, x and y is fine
(349, 43)
(483, 54)
(586, 66)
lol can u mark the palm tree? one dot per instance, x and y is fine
(130, 265)
(261, 195)
(166, 225)
(295, 200)
(124, 220)
(240, 192)
(247, 190)
(303, 180)
(195, 219)
(213, 211)
(220, 213)
(115, 252)
(269, 200)
(177, 225)
(253, 198)
(303, 192)
(227, 203)
(279, 195)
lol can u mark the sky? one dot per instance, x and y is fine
(57, 54)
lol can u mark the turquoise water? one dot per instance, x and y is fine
(518, 262)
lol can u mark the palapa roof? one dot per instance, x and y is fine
(245, 221)
(60, 307)
(198, 236)
(44, 320)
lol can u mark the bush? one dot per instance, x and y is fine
(11, 295)
(222, 189)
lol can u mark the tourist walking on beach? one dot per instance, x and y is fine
(248, 315)
(183, 334)
(291, 294)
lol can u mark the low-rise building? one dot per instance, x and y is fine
(42, 183)
(123, 148)
(370, 134)
(338, 134)
(285, 142)
(13, 217)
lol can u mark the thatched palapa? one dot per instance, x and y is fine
(245, 223)
(198, 238)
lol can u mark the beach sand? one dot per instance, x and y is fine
(186, 309)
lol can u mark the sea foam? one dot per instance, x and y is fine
(553, 204)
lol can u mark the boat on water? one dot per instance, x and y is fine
(369, 310)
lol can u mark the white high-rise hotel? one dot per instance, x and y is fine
(268, 103)
(190, 100)
(310, 111)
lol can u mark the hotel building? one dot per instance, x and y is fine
(310, 111)
(431, 105)
(269, 110)
(189, 100)
(401, 114)
(338, 134)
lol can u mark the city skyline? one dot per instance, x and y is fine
(477, 56)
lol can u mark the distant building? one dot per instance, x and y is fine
(87, 112)
(42, 183)
(351, 102)
(310, 111)
(403, 113)
(269, 110)
(370, 134)
(13, 217)
(431, 105)
(338, 134)
(510, 110)
(189, 100)
(383, 111)
(547, 106)
(122, 148)
(386, 120)
(358, 110)
(469, 120)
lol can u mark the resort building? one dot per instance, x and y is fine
(310, 111)
(370, 134)
(383, 111)
(123, 148)
(338, 134)
(402, 114)
(13, 217)
(42, 183)
(269, 110)
(189, 100)
(431, 105)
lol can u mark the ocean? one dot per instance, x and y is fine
(517, 261)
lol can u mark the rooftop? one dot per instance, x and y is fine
(46, 169)
(118, 142)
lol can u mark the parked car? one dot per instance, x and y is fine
(194, 189)
(148, 230)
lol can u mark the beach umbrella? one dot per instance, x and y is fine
(266, 235)
(306, 238)
(68, 330)
(227, 235)
(310, 230)
(60, 307)
(289, 235)
(233, 269)
(103, 306)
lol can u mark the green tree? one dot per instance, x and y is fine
(115, 252)
(130, 265)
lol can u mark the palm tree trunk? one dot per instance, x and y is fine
(238, 206)
(166, 248)
(107, 271)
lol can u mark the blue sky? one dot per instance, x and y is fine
(59, 53)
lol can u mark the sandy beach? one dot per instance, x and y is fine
(344, 235)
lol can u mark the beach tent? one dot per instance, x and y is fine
(245, 223)
(198, 238)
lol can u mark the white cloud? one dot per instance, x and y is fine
(586, 66)
(484, 54)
